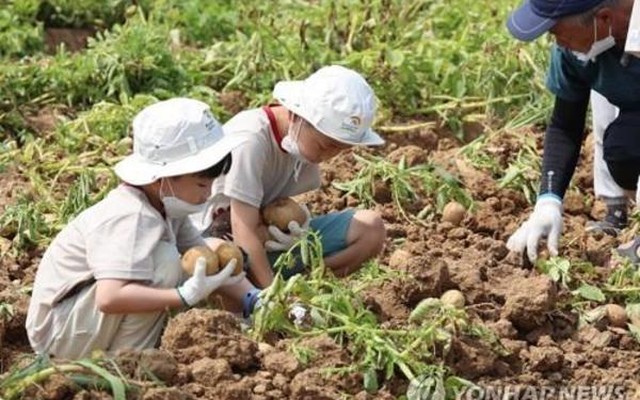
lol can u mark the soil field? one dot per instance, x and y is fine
(205, 354)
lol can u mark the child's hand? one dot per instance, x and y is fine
(281, 241)
(200, 285)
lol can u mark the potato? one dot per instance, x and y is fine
(453, 212)
(283, 211)
(616, 315)
(399, 259)
(453, 298)
(190, 256)
(227, 251)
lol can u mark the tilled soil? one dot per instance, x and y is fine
(205, 355)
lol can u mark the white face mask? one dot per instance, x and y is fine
(598, 47)
(290, 145)
(290, 142)
(178, 208)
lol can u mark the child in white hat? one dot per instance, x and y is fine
(109, 277)
(317, 118)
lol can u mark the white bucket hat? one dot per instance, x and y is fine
(174, 137)
(337, 101)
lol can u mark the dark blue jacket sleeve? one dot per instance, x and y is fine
(562, 143)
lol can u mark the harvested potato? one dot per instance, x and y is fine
(453, 298)
(190, 256)
(227, 251)
(453, 212)
(399, 259)
(616, 315)
(283, 211)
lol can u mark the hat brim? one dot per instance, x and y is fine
(288, 94)
(134, 170)
(524, 24)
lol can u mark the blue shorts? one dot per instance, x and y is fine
(332, 228)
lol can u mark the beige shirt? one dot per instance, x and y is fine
(113, 239)
(261, 171)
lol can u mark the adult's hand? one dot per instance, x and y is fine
(544, 221)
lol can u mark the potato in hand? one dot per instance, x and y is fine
(226, 252)
(281, 212)
(190, 257)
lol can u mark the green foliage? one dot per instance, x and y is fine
(333, 308)
(405, 184)
(96, 372)
(514, 168)
(108, 121)
(82, 194)
(20, 34)
(24, 223)
(558, 269)
(522, 174)
(135, 58)
(198, 22)
(415, 54)
(624, 282)
(83, 13)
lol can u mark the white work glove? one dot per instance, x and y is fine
(544, 221)
(199, 286)
(282, 241)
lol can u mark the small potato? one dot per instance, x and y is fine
(453, 298)
(399, 259)
(227, 251)
(453, 212)
(283, 211)
(616, 315)
(190, 256)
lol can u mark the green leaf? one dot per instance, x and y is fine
(371, 381)
(423, 308)
(118, 387)
(395, 58)
(590, 292)
(635, 331)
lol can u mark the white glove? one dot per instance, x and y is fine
(546, 220)
(283, 241)
(200, 285)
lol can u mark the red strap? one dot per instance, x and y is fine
(274, 126)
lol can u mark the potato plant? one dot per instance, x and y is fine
(333, 308)
(406, 184)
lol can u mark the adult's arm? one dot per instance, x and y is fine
(562, 143)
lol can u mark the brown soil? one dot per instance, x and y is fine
(73, 39)
(205, 355)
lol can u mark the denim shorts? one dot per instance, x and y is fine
(332, 229)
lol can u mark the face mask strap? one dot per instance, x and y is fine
(161, 192)
(295, 128)
(595, 29)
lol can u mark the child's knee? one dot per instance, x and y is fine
(369, 227)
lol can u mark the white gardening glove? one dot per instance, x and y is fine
(282, 241)
(545, 220)
(199, 286)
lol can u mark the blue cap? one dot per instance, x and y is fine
(535, 17)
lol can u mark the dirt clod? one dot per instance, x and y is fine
(527, 309)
